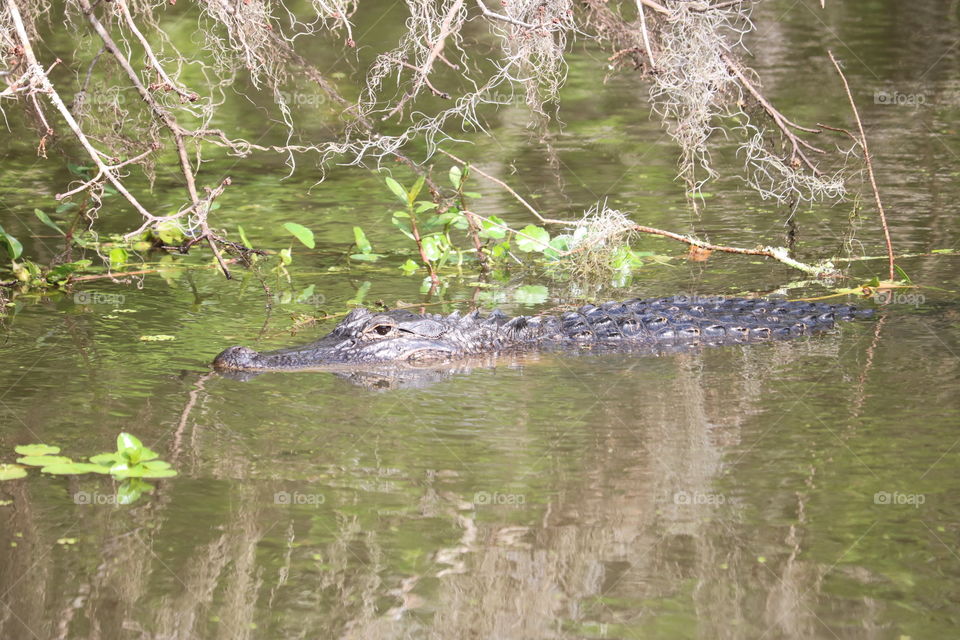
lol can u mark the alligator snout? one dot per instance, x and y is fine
(236, 358)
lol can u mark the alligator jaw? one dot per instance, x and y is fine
(328, 354)
(236, 359)
(247, 359)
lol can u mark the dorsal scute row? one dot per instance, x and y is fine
(694, 318)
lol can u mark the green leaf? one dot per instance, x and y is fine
(362, 291)
(128, 443)
(73, 468)
(404, 226)
(140, 471)
(301, 233)
(434, 246)
(128, 493)
(531, 294)
(409, 266)
(45, 219)
(63, 271)
(453, 218)
(366, 257)
(456, 176)
(148, 454)
(36, 449)
(472, 194)
(43, 461)
(306, 294)
(458, 220)
(425, 205)
(398, 190)
(558, 246)
(285, 256)
(79, 170)
(415, 190)
(493, 227)
(14, 248)
(561, 242)
(118, 256)
(360, 239)
(169, 233)
(903, 274)
(534, 239)
(11, 472)
(131, 489)
(243, 238)
(623, 258)
(108, 459)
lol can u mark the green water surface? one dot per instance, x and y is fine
(805, 489)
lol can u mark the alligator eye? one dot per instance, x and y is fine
(382, 329)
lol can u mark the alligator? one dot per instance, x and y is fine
(367, 339)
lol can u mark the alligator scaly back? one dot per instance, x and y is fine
(365, 338)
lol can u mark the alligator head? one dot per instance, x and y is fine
(362, 338)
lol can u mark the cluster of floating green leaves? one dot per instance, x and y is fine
(130, 460)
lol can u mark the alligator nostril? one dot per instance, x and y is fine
(235, 358)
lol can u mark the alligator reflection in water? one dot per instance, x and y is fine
(405, 345)
(391, 376)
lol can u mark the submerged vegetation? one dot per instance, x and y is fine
(132, 102)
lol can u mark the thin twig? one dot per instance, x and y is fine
(96, 178)
(499, 16)
(646, 38)
(433, 89)
(505, 186)
(777, 253)
(869, 161)
(415, 232)
(168, 82)
(446, 28)
(659, 8)
(783, 123)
